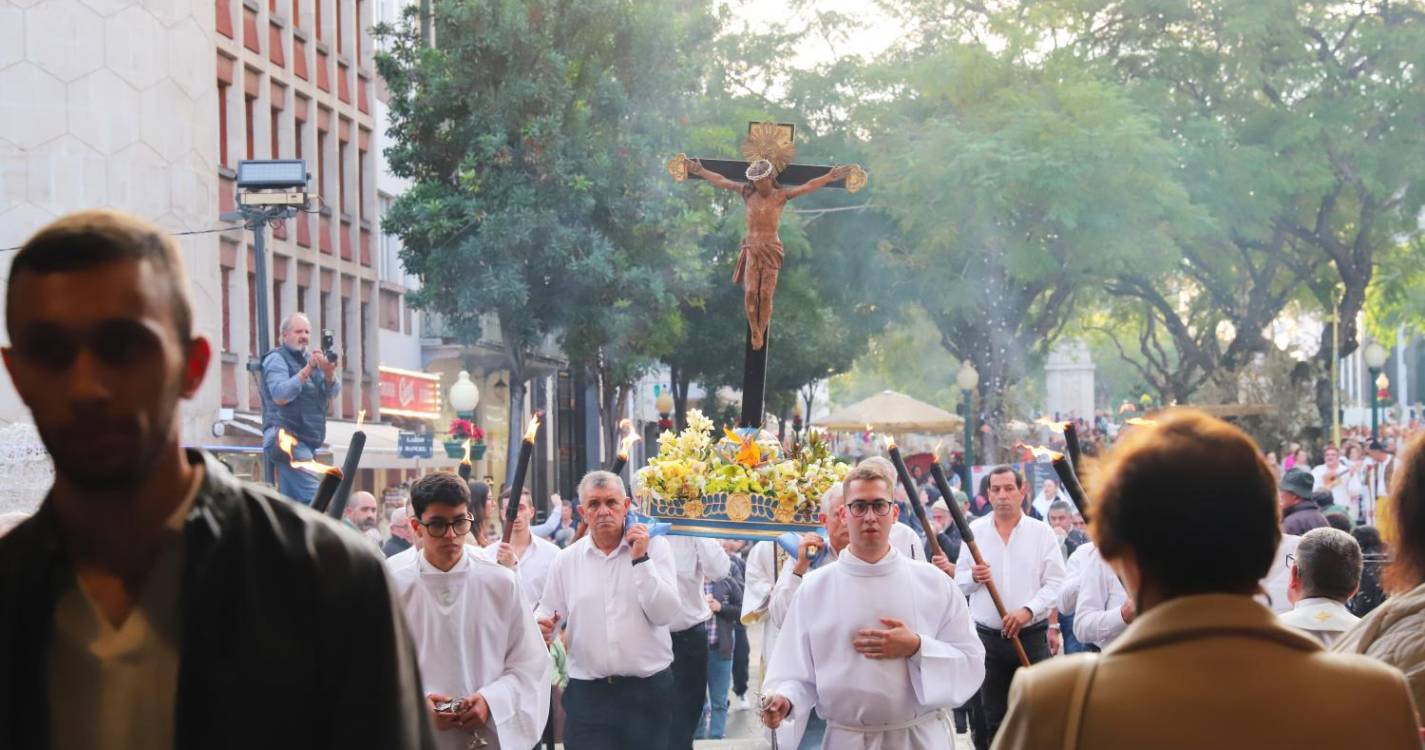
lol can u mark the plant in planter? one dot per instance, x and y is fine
(462, 430)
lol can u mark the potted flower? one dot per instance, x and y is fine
(462, 430)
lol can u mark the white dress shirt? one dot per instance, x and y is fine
(1073, 576)
(1324, 619)
(697, 560)
(1027, 570)
(1345, 486)
(532, 566)
(1099, 618)
(617, 613)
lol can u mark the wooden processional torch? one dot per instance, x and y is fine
(967, 537)
(521, 469)
(912, 494)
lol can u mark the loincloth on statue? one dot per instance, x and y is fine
(765, 254)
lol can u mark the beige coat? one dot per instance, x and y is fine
(1212, 671)
(1395, 634)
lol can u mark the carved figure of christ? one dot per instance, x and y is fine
(760, 261)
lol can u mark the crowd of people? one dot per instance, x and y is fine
(156, 601)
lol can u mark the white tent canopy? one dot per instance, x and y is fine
(892, 412)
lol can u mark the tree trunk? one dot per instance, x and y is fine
(680, 397)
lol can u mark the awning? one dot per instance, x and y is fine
(892, 412)
(380, 451)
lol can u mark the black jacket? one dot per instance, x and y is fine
(1303, 517)
(291, 637)
(728, 592)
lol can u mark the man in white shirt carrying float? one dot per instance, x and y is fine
(879, 645)
(1023, 557)
(475, 636)
(697, 560)
(617, 591)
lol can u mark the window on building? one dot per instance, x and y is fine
(298, 126)
(276, 130)
(390, 311)
(251, 314)
(272, 6)
(322, 162)
(360, 184)
(345, 316)
(365, 313)
(340, 35)
(357, 36)
(317, 12)
(301, 299)
(324, 302)
(407, 311)
(223, 123)
(227, 297)
(296, 14)
(277, 300)
(250, 125)
(341, 194)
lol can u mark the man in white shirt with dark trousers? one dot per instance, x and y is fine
(617, 591)
(697, 560)
(1023, 558)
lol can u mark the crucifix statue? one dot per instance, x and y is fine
(766, 181)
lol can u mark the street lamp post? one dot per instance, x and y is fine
(269, 191)
(968, 379)
(1375, 356)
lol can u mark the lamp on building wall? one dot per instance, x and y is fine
(464, 396)
(1375, 356)
(664, 404)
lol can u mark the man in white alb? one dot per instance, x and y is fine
(1023, 557)
(475, 636)
(879, 645)
(617, 590)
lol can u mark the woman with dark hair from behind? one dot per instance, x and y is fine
(1395, 631)
(1201, 664)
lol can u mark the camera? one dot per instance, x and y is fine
(328, 338)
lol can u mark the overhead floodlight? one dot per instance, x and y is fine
(272, 174)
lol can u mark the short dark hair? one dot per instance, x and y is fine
(87, 239)
(1162, 492)
(442, 488)
(1007, 469)
(1329, 563)
(1063, 506)
(1339, 520)
(1368, 537)
(1322, 499)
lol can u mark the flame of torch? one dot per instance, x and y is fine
(1140, 422)
(533, 431)
(286, 441)
(360, 417)
(465, 468)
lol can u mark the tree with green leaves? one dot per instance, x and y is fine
(529, 133)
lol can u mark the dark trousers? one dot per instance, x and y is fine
(616, 713)
(988, 707)
(690, 686)
(739, 662)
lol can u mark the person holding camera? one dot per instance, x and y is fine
(296, 388)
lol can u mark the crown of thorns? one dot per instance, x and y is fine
(760, 169)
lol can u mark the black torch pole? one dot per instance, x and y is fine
(968, 538)
(913, 495)
(331, 480)
(512, 509)
(1070, 480)
(348, 472)
(1071, 446)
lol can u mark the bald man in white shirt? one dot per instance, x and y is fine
(1023, 558)
(617, 591)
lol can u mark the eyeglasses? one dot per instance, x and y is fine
(438, 526)
(859, 508)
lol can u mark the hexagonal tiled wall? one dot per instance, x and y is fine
(112, 103)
